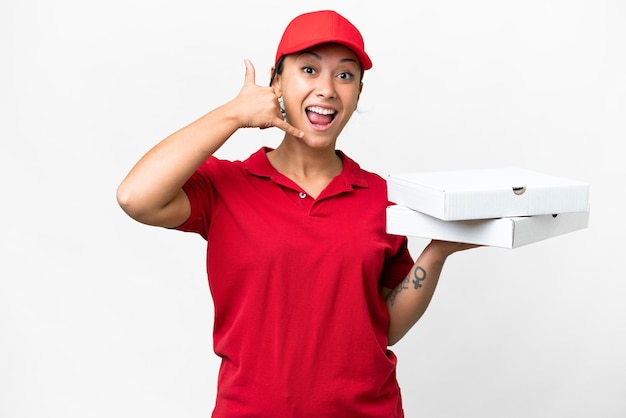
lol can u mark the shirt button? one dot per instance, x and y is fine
(302, 195)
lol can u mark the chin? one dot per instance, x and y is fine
(316, 141)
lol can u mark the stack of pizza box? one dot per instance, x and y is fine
(500, 207)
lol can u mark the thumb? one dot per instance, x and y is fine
(250, 77)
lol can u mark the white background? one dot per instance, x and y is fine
(103, 317)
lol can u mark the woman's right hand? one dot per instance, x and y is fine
(258, 107)
(152, 191)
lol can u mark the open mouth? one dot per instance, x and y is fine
(320, 115)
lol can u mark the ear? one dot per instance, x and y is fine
(274, 78)
(276, 83)
(359, 95)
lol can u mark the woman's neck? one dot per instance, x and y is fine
(311, 169)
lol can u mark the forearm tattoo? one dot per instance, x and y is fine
(418, 276)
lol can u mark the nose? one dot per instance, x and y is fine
(325, 87)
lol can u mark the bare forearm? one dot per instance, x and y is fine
(159, 175)
(152, 192)
(409, 300)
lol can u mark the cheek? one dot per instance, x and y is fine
(296, 89)
(352, 100)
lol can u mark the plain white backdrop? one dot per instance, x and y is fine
(103, 317)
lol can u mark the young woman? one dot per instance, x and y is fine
(309, 290)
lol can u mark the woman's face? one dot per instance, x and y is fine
(320, 88)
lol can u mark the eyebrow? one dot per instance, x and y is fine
(319, 57)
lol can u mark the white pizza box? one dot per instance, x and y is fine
(487, 193)
(509, 232)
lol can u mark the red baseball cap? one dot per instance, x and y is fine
(314, 28)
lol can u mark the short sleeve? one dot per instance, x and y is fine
(398, 264)
(200, 192)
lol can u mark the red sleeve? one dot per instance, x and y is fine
(397, 265)
(200, 193)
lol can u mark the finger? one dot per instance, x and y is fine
(285, 126)
(250, 77)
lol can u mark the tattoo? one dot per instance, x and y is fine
(419, 275)
(403, 285)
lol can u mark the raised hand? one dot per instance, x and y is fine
(258, 106)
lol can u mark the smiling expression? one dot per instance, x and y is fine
(320, 88)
